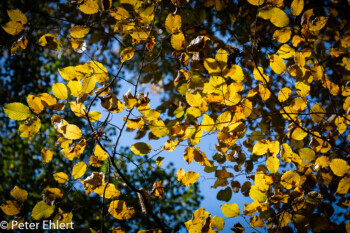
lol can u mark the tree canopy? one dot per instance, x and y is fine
(267, 79)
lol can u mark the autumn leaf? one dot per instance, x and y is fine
(42, 211)
(141, 148)
(17, 111)
(79, 170)
(230, 210)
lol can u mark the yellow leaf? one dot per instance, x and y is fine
(344, 185)
(264, 92)
(60, 91)
(317, 113)
(318, 23)
(223, 120)
(75, 73)
(212, 66)
(79, 31)
(94, 116)
(158, 128)
(194, 100)
(261, 147)
(19, 194)
(89, 84)
(235, 73)
(297, 7)
(221, 58)
(285, 51)
(282, 35)
(194, 134)
(256, 221)
(10, 208)
(178, 41)
(35, 104)
(13, 28)
(260, 76)
(277, 64)
(30, 127)
(230, 210)
(110, 192)
(42, 211)
(339, 167)
(119, 210)
(323, 161)
(208, 123)
(100, 153)
(173, 23)
(284, 94)
(61, 177)
(46, 155)
(79, 170)
(256, 2)
(279, 18)
(298, 134)
(272, 164)
(17, 15)
(17, 111)
(201, 158)
(99, 71)
(89, 6)
(71, 131)
(218, 223)
(189, 154)
(307, 154)
(187, 178)
(78, 109)
(257, 195)
(290, 179)
(119, 13)
(285, 219)
(141, 148)
(49, 41)
(127, 54)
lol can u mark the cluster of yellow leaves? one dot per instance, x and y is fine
(202, 221)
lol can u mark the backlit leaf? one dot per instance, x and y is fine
(119, 210)
(42, 211)
(178, 41)
(277, 64)
(60, 91)
(46, 155)
(339, 167)
(17, 16)
(230, 210)
(173, 23)
(89, 6)
(272, 164)
(10, 208)
(297, 7)
(127, 54)
(30, 127)
(61, 177)
(79, 170)
(19, 194)
(13, 28)
(17, 111)
(79, 31)
(290, 179)
(49, 41)
(141, 148)
(284, 94)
